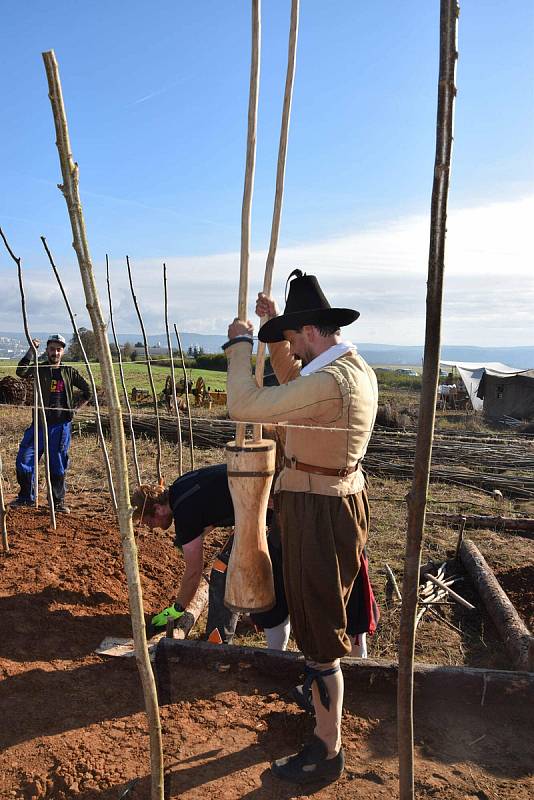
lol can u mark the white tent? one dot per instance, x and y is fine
(471, 372)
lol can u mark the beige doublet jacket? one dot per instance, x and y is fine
(337, 405)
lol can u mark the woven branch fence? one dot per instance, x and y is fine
(480, 462)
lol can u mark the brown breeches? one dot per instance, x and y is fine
(322, 541)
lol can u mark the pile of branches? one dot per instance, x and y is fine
(478, 461)
(14, 391)
(207, 433)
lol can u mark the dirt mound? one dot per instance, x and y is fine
(73, 724)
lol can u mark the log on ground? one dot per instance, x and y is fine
(516, 637)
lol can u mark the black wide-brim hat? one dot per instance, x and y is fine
(305, 305)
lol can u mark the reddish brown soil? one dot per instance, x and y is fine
(73, 724)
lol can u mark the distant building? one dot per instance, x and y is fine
(154, 351)
(508, 395)
(496, 389)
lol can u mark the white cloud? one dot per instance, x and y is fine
(489, 293)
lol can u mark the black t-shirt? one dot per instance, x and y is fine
(199, 499)
(58, 410)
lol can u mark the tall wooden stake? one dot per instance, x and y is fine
(70, 191)
(123, 381)
(91, 377)
(191, 447)
(279, 191)
(35, 442)
(249, 178)
(150, 377)
(418, 493)
(3, 513)
(173, 381)
(40, 411)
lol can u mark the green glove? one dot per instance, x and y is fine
(172, 612)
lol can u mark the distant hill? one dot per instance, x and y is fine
(210, 343)
(376, 354)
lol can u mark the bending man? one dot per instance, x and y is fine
(198, 502)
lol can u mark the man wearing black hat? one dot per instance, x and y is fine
(57, 382)
(324, 512)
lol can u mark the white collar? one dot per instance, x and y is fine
(322, 360)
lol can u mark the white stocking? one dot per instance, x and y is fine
(359, 646)
(278, 637)
(328, 721)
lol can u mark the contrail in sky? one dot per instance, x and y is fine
(158, 92)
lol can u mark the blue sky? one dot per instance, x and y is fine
(156, 98)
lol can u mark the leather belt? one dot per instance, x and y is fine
(338, 473)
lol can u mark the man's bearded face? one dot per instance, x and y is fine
(54, 351)
(299, 346)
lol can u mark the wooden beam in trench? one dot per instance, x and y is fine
(478, 687)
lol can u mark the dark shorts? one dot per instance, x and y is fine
(322, 540)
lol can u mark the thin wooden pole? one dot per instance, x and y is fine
(418, 494)
(123, 380)
(279, 191)
(446, 588)
(150, 377)
(173, 381)
(91, 377)
(70, 191)
(3, 513)
(249, 178)
(180, 350)
(41, 408)
(35, 441)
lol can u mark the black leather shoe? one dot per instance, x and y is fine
(61, 508)
(20, 502)
(310, 765)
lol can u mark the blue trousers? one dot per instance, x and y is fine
(58, 450)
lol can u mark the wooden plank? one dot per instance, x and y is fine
(477, 687)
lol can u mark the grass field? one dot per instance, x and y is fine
(136, 374)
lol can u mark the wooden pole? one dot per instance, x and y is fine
(150, 378)
(484, 521)
(70, 191)
(91, 377)
(123, 381)
(279, 191)
(186, 386)
(35, 440)
(517, 638)
(393, 581)
(249, 177)
(446, 588)
(3, 513)
(41, 409)
(173, 381)
(418, 494)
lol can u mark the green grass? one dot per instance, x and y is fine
(136, 374)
